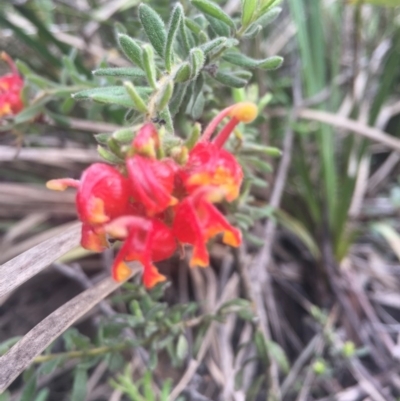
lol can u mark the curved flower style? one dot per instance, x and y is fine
(10, 89)
(197, 220)
(146, 241)
(157, 203)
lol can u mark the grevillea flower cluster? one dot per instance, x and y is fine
(10, 89)
(156, 205)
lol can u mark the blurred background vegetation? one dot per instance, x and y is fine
(309, 307)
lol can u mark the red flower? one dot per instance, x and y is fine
(146, 141)
(161, 201)
(103, 194)
(147, 241)
(210, 165)
(197, 220)
(10, 89)
(152, 182)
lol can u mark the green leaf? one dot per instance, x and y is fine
(119, 72)
(219, 27)
(30, 112)
(197, 60)
(248, 9)
(182, 72)
(182, 347)
(264, 20)
(241, 60)
(196, 104)
(149, 65)
(154, 27)
(30, 386)
(42, 395)
(108, 156)
(177, 98)
(79, 385)
(193, 26)
(164, 95)
(215, 11)
(233, 79)
(262, 348)
(50, 366)
(276, 352)
(175, 22)
(268, 4)
(123, 135)
(138, 103)
(130, 48)
(297, 228)
(211, 45)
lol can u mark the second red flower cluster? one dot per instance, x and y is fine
(155, 205)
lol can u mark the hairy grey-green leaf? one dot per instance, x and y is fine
(177, 98)
(253, 32)
(182, 73)
(164, 95)
(80, 382)
(196, 104)
(174, 23)
(119, 72)
(248, 9)
(102, 138)
(124, 135)
(109, 157)
(193, 26)
(219, 27)
(149, 65)
(213, 44)
(215, 11)
(107, 90)
(138, 102)
(241, 60)
(197, 60)
(264, 20)
(183, 36)
(154, 27)
(230, 79)
(130, 48)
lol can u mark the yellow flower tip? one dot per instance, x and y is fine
(116, 231)
(4, 56)
(55, 185)
(121, 272)
(5, 110)
(173, 201)
(232, 239)
(97, 213)
(245, 112)
(197, 261)
(216, 194)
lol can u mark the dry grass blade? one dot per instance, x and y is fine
(345, 123)
(21, 355)
(49, 156)
(20, 269)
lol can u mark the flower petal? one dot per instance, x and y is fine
(197, 220)
(92, 240)
(147, 240)
(152, 182)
